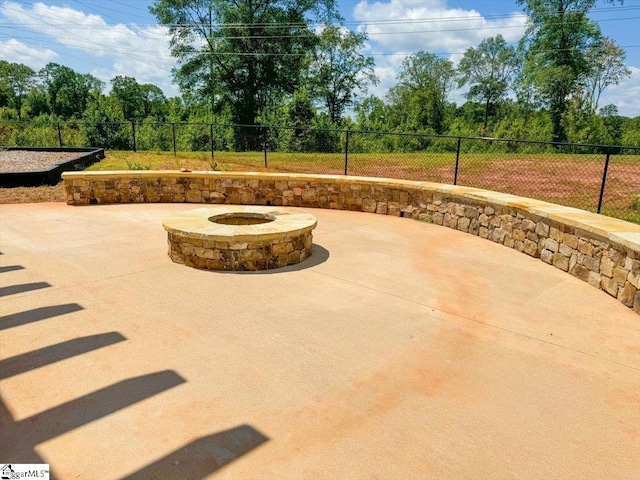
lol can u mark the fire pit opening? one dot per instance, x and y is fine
(242, 218)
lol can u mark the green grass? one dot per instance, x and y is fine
(571, 180)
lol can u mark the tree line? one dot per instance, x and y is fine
(267, 62)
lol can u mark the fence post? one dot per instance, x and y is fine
(604, 179)
(59, 135)
(211, 141)
(173, 133)
(133, 134)
(264, 146)
(346, 153)
(455, 173)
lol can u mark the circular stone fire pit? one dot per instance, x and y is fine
(239, 238)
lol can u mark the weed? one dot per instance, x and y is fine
(137, 166)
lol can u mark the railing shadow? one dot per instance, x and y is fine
(23, 287)
(11, 268)
(203, 456)
(36, 315)
(55, 353)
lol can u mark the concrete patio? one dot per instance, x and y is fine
(398, 350)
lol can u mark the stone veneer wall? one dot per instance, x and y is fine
(602, 251)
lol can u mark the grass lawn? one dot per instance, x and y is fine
(573, 180)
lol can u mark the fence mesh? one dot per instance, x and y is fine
(567, 174)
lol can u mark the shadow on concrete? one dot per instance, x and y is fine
(36, 315)
(80, 411)
(21, 288)
(18, 439)
(55, 353)
(203, 456)
(319, 255)
(11, 268)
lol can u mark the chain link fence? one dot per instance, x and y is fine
(598, 178)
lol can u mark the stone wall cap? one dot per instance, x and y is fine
(195, 223)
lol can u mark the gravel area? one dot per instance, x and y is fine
(14, 161)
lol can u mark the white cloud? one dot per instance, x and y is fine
(625, 95)
(140, 52)
(412, 25)
(17, 52)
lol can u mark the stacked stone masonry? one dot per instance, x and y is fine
(239, 256)
(602, 251)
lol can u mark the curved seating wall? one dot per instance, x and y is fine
(603, 251)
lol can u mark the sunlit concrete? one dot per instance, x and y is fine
(399, 350)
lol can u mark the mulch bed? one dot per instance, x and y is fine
(17, 161)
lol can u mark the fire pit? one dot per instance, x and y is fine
(239, 238)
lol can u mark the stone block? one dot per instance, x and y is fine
(381, 208)
(519, 246)
(616, 257)
(471, 212)
(636, 302)
(551, 245)
(620, 275)
(610, 286)
(606, 267)
(634, 278)
(595, 279)
(463, 224)
(498, 235)
(591, 263)
(531, 248)
(561, 262)
(518, 235)
(308, 194)
(489, 210)
(542, 229)
(509, 242)
(459, 210)
(279, 248)
(369, 205)
(527, 225)
(555, 234)
(483, 232)
(438, 218)
(584, 246)
(547, 256)
(635, 264)
(484, 220)
(565, 250)
(573, 260)
(570, 240)
(627, 294)
(580, 272)
(474, 226)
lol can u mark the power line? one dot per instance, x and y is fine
(369, 34)
(461, 18)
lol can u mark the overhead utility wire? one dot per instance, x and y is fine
(462, 18)
(370, 34)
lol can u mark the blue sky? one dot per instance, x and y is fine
(119, 37)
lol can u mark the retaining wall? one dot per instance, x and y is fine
(603, 251)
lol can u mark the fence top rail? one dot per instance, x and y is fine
(605, 147)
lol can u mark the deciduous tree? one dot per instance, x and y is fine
(557, 38)
(338, 71)
(241, 53)
(489, 69)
